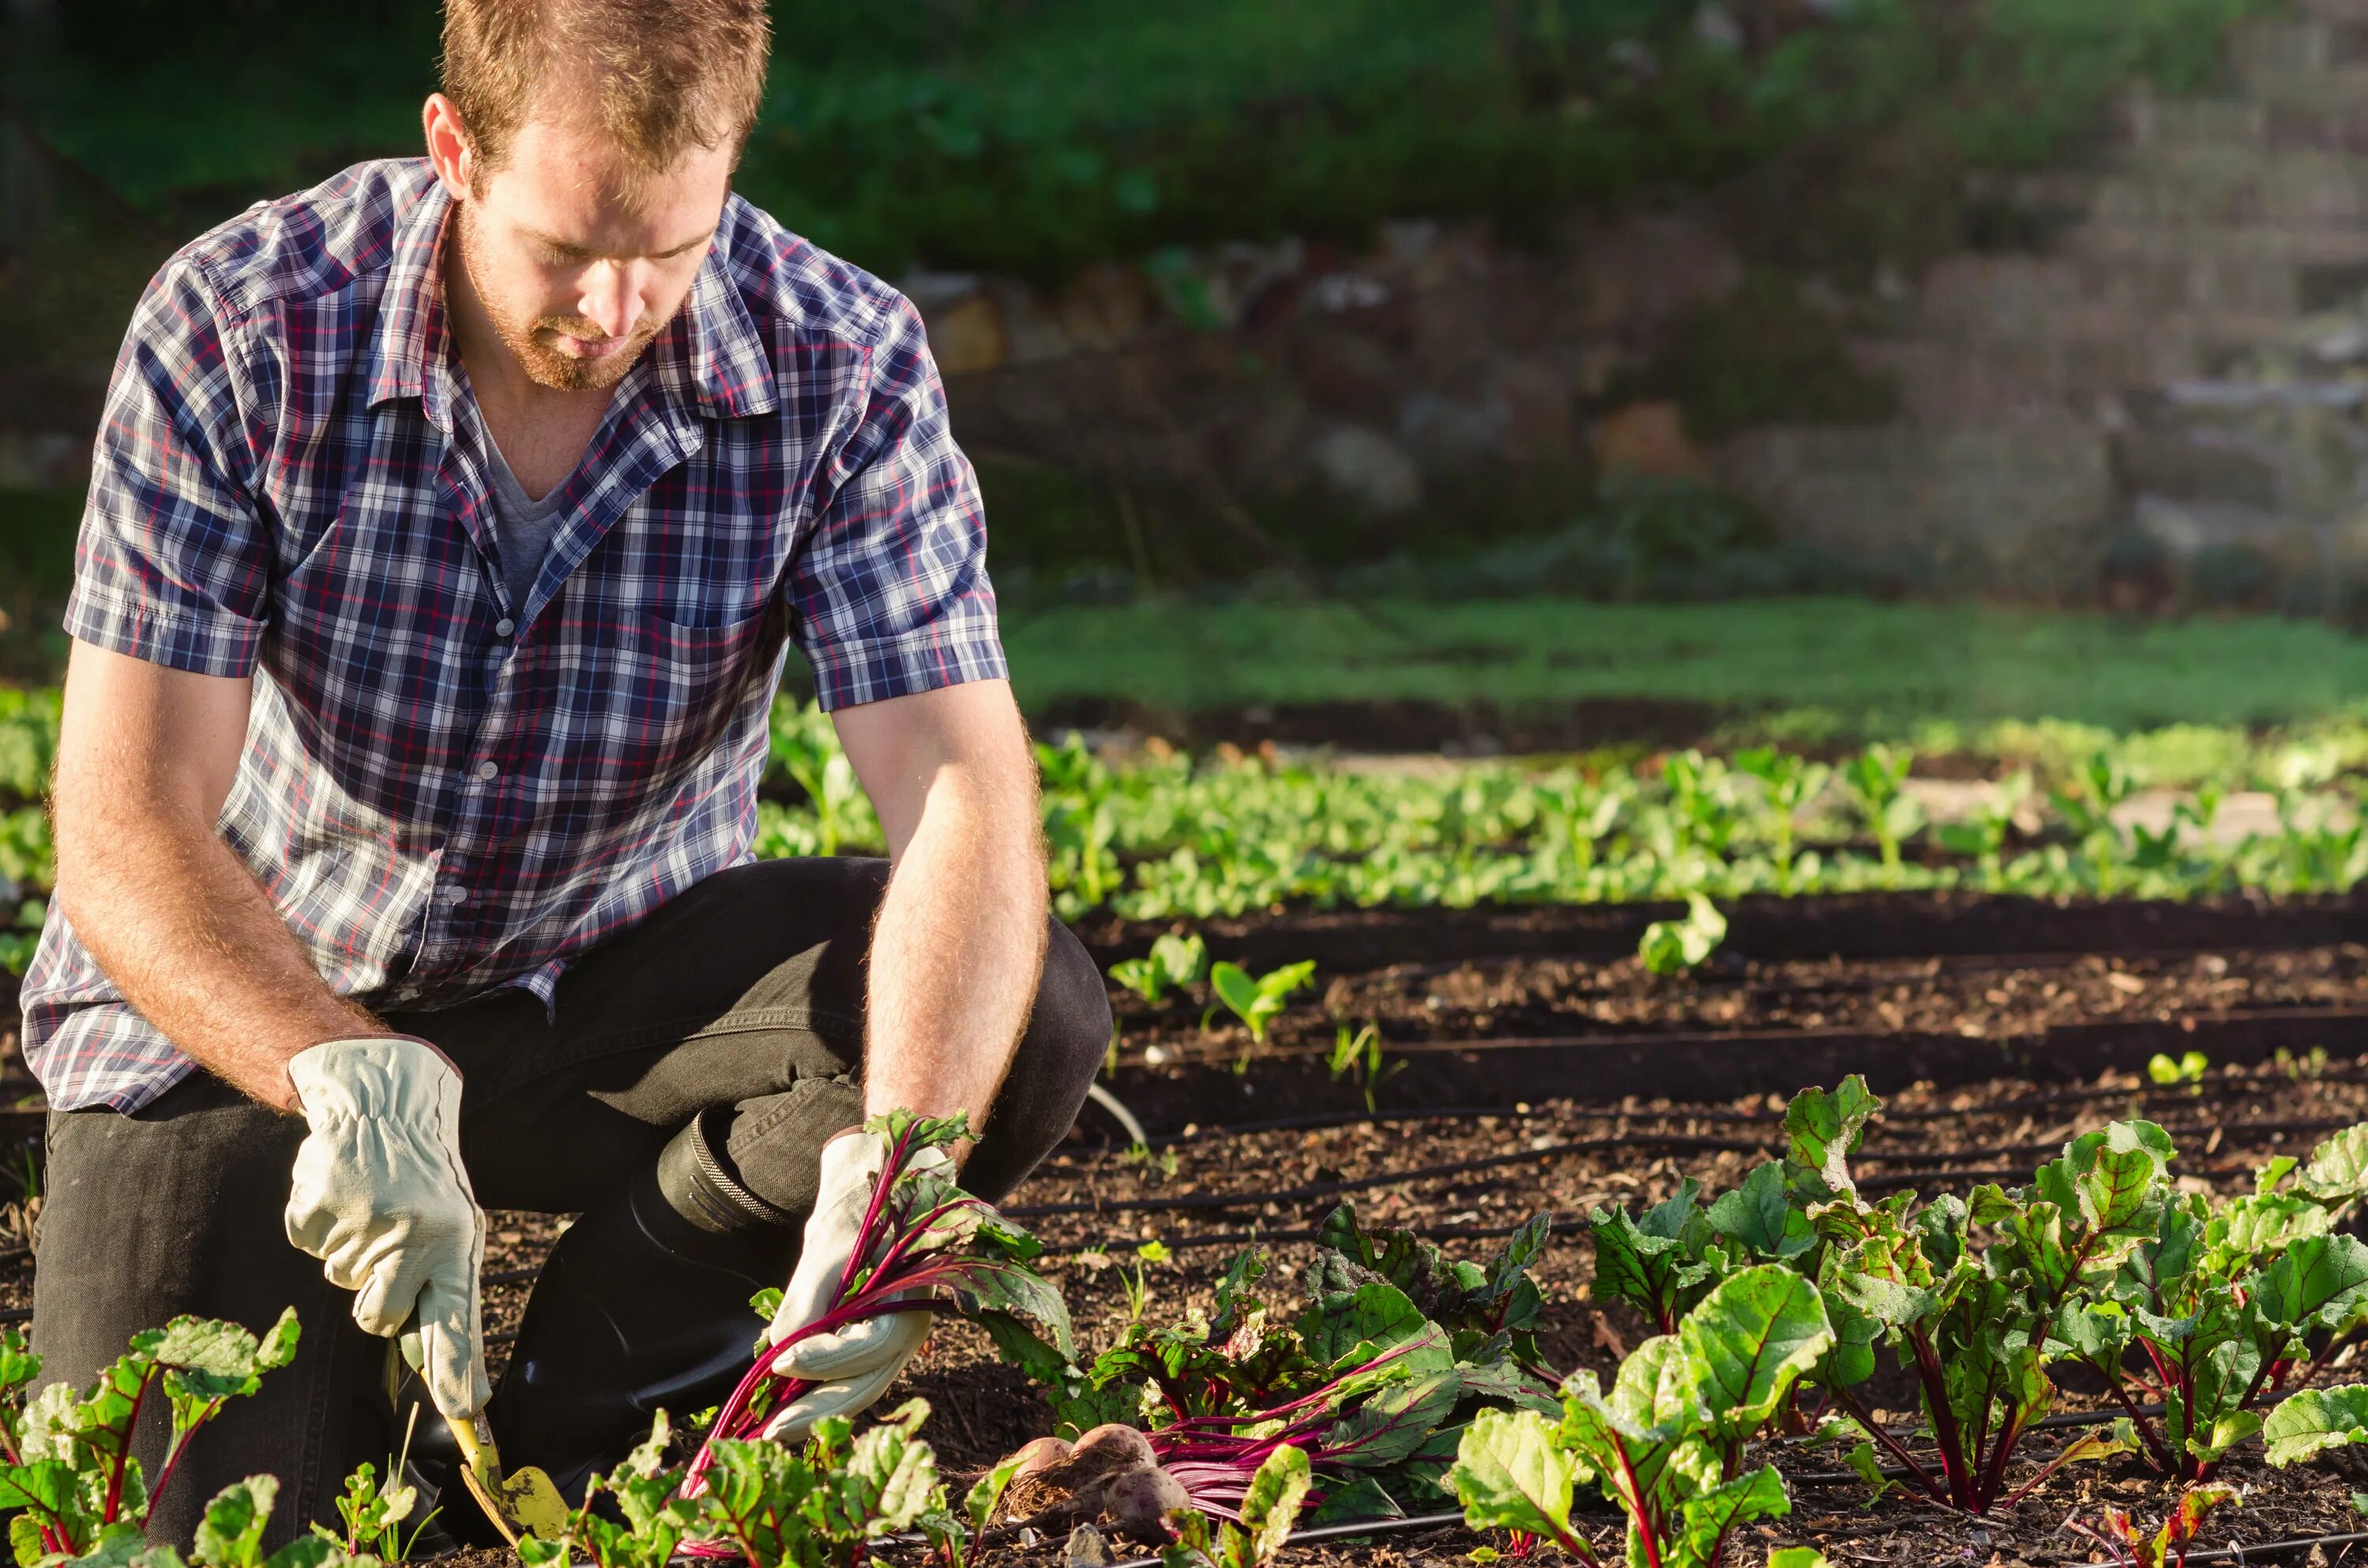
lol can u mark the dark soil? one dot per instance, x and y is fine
(1474, 728)
(1455, 993)
(2225, 1127)
(1856, 926)
(1977, 998)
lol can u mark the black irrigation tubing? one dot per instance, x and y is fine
(1678, 1143)
(1273, 1238)
(2239, 1554)
(1349, 1531)
(2243, 1554)
(2207, 1088)
(1682, 1144)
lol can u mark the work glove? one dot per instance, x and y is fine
(380, 1196)
(854, 1366)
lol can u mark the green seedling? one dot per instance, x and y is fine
(1256, 1001)
(2086, 805)
(1983, 836)
(1175, 962)
(2311, 1064)
(374, 1511)
(1676, 947)
(2189, 1068)
(1790, 783)
(1166, 1162)
(2131, 1547)
(1362, 1054)
(1136, 1285)
(1877, 782)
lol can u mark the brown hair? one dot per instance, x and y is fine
(656, 77)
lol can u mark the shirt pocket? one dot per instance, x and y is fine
(671, 691)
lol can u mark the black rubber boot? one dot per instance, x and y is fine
(642, 1306)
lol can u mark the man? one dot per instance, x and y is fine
(449, 523)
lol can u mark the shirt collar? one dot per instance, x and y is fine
(411, 309)
(712, 353)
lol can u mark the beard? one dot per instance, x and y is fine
(533, 339)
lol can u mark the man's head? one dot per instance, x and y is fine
(588, 146)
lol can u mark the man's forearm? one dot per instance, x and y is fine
(957, 950)
(191, 939)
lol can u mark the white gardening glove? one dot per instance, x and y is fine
(854, 1365)
(379, 1194)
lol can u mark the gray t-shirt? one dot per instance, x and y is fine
(522, 530)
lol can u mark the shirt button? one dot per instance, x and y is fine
(453, 895)
(488, 770)
(503, 627)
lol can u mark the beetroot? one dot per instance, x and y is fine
(1116, 1445)
(1040, 1455)
(1138, 1502)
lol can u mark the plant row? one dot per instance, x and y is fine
(2206, 1322)
(1407, 1377)
(1401, 1377)
(1163, 838)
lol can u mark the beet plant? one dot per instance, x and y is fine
(67, 1474)
(1666, 1259)
(828, 1503)
(2120, 1535)
(1363, 1380)
(924, 1244)
(1269, 1508)
(1666, 1443)
(2206, 1309)
(230, 1536)
(1971, 1321)
(1175, 962)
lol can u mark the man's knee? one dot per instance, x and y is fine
(1072, 1015)
(1068, 1033)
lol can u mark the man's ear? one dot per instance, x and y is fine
(449, 147)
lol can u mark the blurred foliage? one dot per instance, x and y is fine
(1037, 136)
(1758, 357)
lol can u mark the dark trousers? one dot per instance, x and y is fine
(746, 992)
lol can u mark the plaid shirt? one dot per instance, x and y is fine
(444, 792)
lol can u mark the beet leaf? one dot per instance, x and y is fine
(67, 1463)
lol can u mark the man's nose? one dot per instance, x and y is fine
(613, 297)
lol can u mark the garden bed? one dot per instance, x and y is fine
(1496, 1007)
(1545, 1071)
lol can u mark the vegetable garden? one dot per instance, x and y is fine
(1707, 1159)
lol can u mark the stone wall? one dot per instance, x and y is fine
(2182, 367)
(2180, 372)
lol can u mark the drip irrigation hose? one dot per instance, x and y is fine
(1676, 1143)
(2238, 1554)
(2209, 1089)
(1272, 1238)
(1348, 1531)
(1109, 1102)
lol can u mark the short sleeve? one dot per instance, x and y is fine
(890, 595)
(172, 564)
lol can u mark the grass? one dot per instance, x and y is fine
(1866, 668)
